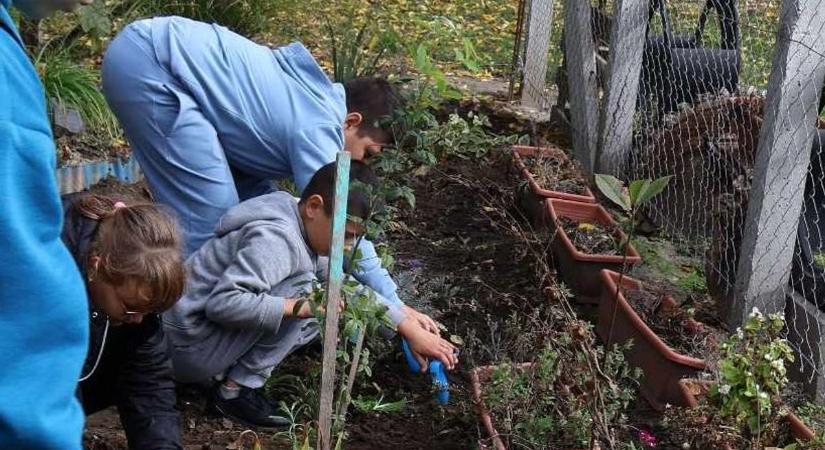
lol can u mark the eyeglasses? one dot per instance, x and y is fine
(132, 316)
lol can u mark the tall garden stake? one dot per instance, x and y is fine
(336, 279)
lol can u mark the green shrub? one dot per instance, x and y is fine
(246, 17)
(77, 86)
(562, 401)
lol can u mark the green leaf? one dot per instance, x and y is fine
(654, 189)
(637, 189)
(422, 59)
(613, 189)
(94, 19)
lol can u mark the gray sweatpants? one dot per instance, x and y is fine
(246, 357)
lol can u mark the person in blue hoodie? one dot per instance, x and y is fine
(213, 118)
(43, 310)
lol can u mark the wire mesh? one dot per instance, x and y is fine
(701, 106)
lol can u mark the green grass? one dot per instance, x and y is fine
(664, 263)
(78, 86)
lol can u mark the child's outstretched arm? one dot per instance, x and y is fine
(425, 344)
(369, 271)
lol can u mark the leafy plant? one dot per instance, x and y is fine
(77, 86)
(94, 19)
(752, 372)
(377, 404)
(468, 56)
(742, 408)
(694, 281)
(629, 199)
(246, 17)
(550, 403)
(360, 319)
(357, 50)
(819, 260)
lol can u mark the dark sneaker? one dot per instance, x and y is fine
(249, 408)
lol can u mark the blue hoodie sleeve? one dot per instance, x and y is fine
(313, 148)
(371, 273)
(43, 308)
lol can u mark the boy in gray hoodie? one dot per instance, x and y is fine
(237, 321)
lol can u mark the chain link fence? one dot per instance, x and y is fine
(704, 69)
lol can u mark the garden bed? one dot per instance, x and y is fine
(674, 325)
(551, 173)
(472, 274)
(547, 172)
(662, 366)
(591, 225)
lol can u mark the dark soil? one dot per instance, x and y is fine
(556, 174)
(89, 146)
(703, 428)
(591, 238)
(113, 187)
(456, 234)
(670, 325)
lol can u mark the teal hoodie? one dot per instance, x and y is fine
(43, 307)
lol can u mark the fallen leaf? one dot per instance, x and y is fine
(456, 339)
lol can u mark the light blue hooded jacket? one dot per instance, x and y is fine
(276, 113)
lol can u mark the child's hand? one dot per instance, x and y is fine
(303, 313)
(426, 322)
(306, 310)
(424, 344)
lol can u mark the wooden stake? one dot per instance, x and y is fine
(336, 280)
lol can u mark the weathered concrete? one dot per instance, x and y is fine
(782, 161)
(580, 54)
(627, 37)
(806, 333)
(537, 48)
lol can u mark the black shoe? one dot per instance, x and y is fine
(249, 408)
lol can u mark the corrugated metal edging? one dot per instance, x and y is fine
(80, 177)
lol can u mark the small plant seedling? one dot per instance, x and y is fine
(637, 194)
(378, 405)
(819, 259)
(629, 199)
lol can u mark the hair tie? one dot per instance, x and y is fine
(119, 205)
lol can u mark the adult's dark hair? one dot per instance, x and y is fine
(376, 100)
(363, 187)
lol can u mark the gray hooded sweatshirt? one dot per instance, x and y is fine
(239, 279)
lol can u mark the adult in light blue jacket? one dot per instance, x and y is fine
(43, 307)
(213, 118)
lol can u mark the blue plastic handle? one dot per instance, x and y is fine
(436, 370)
